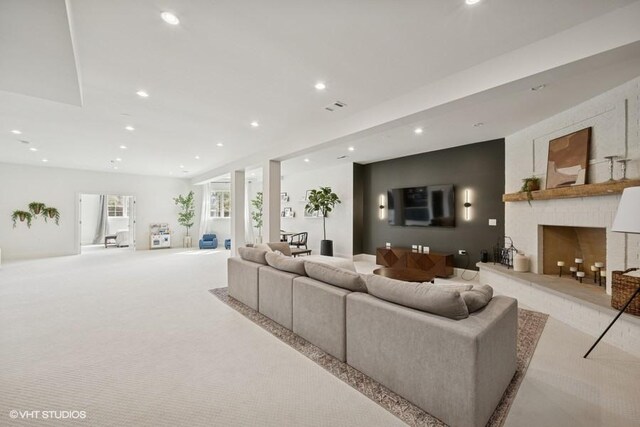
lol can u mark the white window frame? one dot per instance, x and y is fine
(123, 205)
(217, 198)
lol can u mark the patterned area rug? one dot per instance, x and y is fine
(530, 327)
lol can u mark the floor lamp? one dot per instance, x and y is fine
(627, 221)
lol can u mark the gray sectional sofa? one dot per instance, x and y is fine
(449, 349)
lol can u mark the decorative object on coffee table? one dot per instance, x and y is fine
(568, 159)
(627, 220)
(405, 274)
(322, 200)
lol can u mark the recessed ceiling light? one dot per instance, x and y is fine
(115, 167)
(142, 94)
(45, 160)
(255, 124)
(181, 166)
(197, 157)
(33, 149)
(124, 147)
(130, 128)
(185, 171)
(170, 18)
(16, 132)
(470, 2)
(306, 160)
(537, 88)
(417, 131)
(320, 86)
(118, 159)
(220, 144)
(479, 124)
(352, 149)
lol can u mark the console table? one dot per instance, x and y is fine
(438, 264)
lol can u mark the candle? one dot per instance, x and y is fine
(574, 269)
(388, 245)
(599, 264)
(560, 263)
(580, 274)
(414, 248)
(578, 260)
(594, 268)
(603, 273)
(425, 249)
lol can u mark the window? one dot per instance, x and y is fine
(220, 204)
(117, 206)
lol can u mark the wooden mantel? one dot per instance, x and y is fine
(587, 190)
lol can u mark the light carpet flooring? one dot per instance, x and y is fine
(134, 339)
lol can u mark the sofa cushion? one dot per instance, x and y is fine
(331, 260)
(253, 255)
(478, 297)
(285, 263)
(421, 296)
(335, 276)
(460, 287)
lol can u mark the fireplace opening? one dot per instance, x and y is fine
(565, 244)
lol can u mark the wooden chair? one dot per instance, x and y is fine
(297, 242)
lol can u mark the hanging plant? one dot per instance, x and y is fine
(22, 216)
(530, 184)
(36, 208)
(51, 213)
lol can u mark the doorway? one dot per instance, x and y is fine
(107, 222)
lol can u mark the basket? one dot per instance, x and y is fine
(622, 287)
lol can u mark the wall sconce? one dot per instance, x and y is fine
(467, 205)
(381, 206)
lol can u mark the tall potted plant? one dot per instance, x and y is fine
(186, 215)
(256, 215)
(323, 200)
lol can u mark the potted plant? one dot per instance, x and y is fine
(530, 184)
(49, 212)
(36, 208)
(323, 200)
(22, 216)
(186, 214)
(256, 215)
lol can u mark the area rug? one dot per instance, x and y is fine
(530, 327)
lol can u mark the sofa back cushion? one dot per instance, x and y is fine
(478, 297)
(336, 276)
(285, 263)
(253, 255)
(421, 296)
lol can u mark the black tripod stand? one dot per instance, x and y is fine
(635, 294)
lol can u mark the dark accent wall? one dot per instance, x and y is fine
(358, 207)
(478, 167)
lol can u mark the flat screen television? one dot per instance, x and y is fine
(428, 206)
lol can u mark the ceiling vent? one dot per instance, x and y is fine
(24, 141)
(341, 157)
(335, 106)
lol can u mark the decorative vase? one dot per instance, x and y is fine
(326, 247)
(521, 263)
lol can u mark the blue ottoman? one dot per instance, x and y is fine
(227, 243)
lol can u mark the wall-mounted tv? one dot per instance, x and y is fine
(428, 206)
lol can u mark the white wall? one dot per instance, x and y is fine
(615, 120)
(90, 215)
(60, 188)
(339, 222)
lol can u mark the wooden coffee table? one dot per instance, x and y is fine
(405, 274)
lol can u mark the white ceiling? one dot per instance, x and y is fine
(231, 62)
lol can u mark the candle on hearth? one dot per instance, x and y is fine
(574, 269)
(599, 264)
(603, 273)
(594, 268)
(578, 260)
(560, 263)
(580, 274)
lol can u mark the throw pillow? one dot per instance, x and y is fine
(335, 276)
(424, 297)
(478, 297)
(285, 263)
(253, 255)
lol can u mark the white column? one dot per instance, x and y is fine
(237, 211)
(271, 201)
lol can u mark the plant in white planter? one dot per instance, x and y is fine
(187, 213)
(323, 200)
